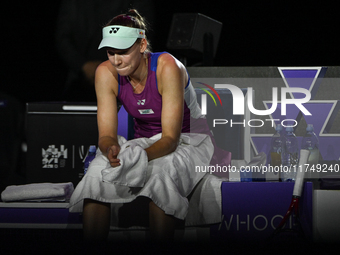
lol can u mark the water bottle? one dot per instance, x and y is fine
(276, 147)
(90, 156)
(311, 142)
(290, 156)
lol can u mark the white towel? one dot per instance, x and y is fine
(134, 162)
(132, 169)
(38, 192)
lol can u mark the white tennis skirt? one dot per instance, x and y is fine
(169, 179)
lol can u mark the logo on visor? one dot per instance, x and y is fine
(114, 30)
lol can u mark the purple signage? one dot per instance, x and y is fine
(251, 211)
(322, 111)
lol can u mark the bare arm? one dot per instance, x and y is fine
(171, 77)
(106, 90)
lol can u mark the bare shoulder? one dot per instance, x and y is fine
(169, 67)
(106, 77)
(166, 60)
(106, 70)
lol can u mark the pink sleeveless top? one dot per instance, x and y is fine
(146, 109)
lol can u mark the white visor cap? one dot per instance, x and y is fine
(120, 37)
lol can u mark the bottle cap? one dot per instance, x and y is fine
(92, 148)
(278, 127)
(310, 127)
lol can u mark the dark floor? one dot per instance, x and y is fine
(43, 241)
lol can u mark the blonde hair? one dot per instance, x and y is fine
(132, 19)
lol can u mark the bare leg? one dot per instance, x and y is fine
(96, 220)
(162, 226)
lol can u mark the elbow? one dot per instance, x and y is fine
(173, 144)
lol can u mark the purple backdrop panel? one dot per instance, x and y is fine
(299, 73)
(300, 79)
(39, 216)
(123, 123)
(251, 211)
(291, 113)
